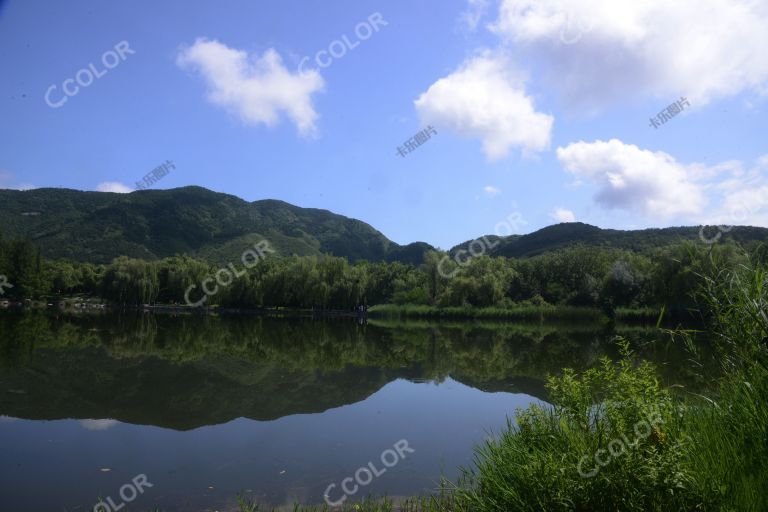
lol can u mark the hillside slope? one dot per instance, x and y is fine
(564, 235)
(150, 224)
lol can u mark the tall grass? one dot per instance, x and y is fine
(729, 443)
(611, 441)
(438, 503)
(729, 431)
(737, 302)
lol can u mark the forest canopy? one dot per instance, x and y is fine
(573, 276)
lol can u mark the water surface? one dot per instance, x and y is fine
(275, 408)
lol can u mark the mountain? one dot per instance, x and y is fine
(151, 224)
(564, 235)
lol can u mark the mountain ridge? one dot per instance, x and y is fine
(565, 234)
(153, 224)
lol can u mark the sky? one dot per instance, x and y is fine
(619, 113)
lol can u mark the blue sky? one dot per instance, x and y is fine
(542, 108)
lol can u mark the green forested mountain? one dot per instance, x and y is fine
(97, 226)
(565, 235)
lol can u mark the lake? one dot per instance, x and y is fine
(282, 410)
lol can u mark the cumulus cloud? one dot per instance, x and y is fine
(257, 88)
(476, 10)
(627, 177)
(655, 184)
(483, 99)
(563, 215)
(113, 186)
(491, 190)
(744, 192)
(701, 49)
(744, 206)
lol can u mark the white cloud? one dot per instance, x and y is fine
(259, 88)
(744, 206)
(491, 190)
(701, 49)
(474, 13)
(113, 186)
(563, 215)
(656, 185)
(484, 100)
(627, 177)
(744, 195)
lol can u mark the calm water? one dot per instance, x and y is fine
(277, 409)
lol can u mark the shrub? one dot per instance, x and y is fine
(610, 441)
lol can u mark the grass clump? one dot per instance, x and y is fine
(729, 431)
(610, 441)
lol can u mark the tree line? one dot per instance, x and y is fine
(576, 276)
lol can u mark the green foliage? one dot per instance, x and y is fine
(579, 277)
(609, 442)
(130, 282)
(98, 227)
(22, 266)
(589, 277)
(737, 301)
(729, 436)
(729, 432)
